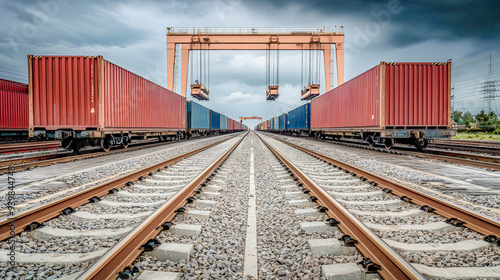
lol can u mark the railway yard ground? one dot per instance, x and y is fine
(252, 205)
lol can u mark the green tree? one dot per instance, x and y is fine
(493, 117)
(467, 117)
(457, 116)
(482, 117)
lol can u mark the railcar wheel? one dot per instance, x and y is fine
(125, 145)
(370, 141)
(67, 143)
(424, 142)
(388, 143)
(76, 146)
(106, 144)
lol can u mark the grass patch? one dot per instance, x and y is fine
(477, 136)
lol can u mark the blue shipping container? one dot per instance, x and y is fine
(223, 122)
(215, 123)
(198, 116)
(282, 121)
(300, 118)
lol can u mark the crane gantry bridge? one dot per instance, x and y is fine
(310, 40)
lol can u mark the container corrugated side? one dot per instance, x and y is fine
(282, 121)
(82, 93)
(417, 94)
(13, 110)
(223, 122)
(215, 120)
(188, 114)
(64, 92)
(353, 104)
(300, 117)
(13, 86)
(132, 102)
(200, 116)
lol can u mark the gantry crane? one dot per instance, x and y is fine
(272, 39)
(242, 119)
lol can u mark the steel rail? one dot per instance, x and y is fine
(493, 150)
(28, 147)
(53, 209)
(471, 219)
(129, 248)
(489, 162)
(392, 265)
(45, 160)
(458, 158)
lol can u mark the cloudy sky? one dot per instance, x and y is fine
(132, 35)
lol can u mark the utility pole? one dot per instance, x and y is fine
(453, 104)
(489, 90)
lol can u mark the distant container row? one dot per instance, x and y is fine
(392, 102)
(86, 100)
(201, 120)
(13, 109)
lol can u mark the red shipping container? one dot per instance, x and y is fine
(89, 93)
(13, 106)
(388, 96)
(13, 86)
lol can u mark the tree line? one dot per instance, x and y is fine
(483, 121)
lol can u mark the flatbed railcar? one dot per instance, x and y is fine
(14, 105)
(198, 119)
(86, 100)
(391, 103)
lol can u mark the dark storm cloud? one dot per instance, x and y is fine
(78, 22)
(418, 20)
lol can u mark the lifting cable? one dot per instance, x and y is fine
(310, 69)
(277, 64)
(191, 54)
(208, 50)
(302, 69)
(267, 68)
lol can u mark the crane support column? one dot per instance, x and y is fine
(339, 50)
(170, 65)
(185, 65)
(327, 52)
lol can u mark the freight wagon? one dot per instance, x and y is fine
(14, 104)
(391, 103)
(214, 121)
(282, 122)
(299, 120)
(233, 125)
(198, 119)
(86, 100)
(223, 122)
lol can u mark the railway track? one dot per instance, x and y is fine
(23, 163)
(123, 214)
(474, 160)
(374, 212)
(28, 147)
(313, 217)
(476, 147)
(468, 142)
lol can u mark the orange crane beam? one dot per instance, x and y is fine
(253, 39)
(250, 118)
